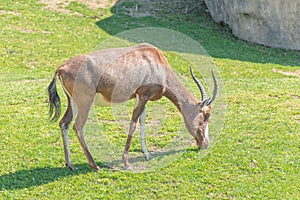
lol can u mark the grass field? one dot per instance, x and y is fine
(257, 154)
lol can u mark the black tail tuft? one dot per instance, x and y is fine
(54, 101)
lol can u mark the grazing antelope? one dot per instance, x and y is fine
(117, 75)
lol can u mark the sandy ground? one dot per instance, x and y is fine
(288, 73)
(59, 5)
(142, 8)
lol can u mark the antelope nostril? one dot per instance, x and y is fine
(207, 140)
(203, 145)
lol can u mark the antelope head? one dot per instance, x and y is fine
(199, 126)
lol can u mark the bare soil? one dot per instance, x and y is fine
(138, 8)
(288, 73)
(60, 5)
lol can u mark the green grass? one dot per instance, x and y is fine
(256, 156)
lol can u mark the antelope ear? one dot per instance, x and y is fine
(201, 105)
(204, 103)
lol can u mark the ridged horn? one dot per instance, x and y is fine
(215, 89)
(200, 86)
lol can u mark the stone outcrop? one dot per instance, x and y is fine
(274, 23)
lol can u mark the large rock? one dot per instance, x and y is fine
(274, 23)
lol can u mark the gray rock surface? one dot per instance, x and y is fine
(274, 23)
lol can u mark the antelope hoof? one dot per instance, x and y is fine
(128, 168)
(148, 156)
(97, 168)
(72, 167)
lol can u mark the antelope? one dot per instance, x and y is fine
(116, 75)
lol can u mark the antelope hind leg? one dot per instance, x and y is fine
(64, 126)
(81, 118)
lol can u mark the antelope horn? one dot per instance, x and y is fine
(215, 89)
(200, 86)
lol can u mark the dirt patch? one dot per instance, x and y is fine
(24, 30)
(141, 8)
(295, 97)
(288, 73)
(60, 5)
(8, 12)
(33, 81)
(134, 8)
(297, 118)
(138, 8)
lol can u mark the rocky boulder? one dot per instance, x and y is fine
(274, 23)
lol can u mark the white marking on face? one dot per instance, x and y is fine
(206, 133)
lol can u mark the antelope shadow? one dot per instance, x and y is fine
(159, 158)
(39, 176)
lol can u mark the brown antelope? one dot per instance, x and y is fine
(117, 75)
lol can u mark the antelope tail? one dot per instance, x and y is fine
(54, 100)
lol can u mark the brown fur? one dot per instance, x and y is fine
(119, 75)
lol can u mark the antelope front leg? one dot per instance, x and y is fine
(143, 135)
(127, 146)
(139, 107)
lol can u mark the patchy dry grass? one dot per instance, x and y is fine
(288, 73)
(61, 5)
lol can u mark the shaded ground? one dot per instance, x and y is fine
(131, 14)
